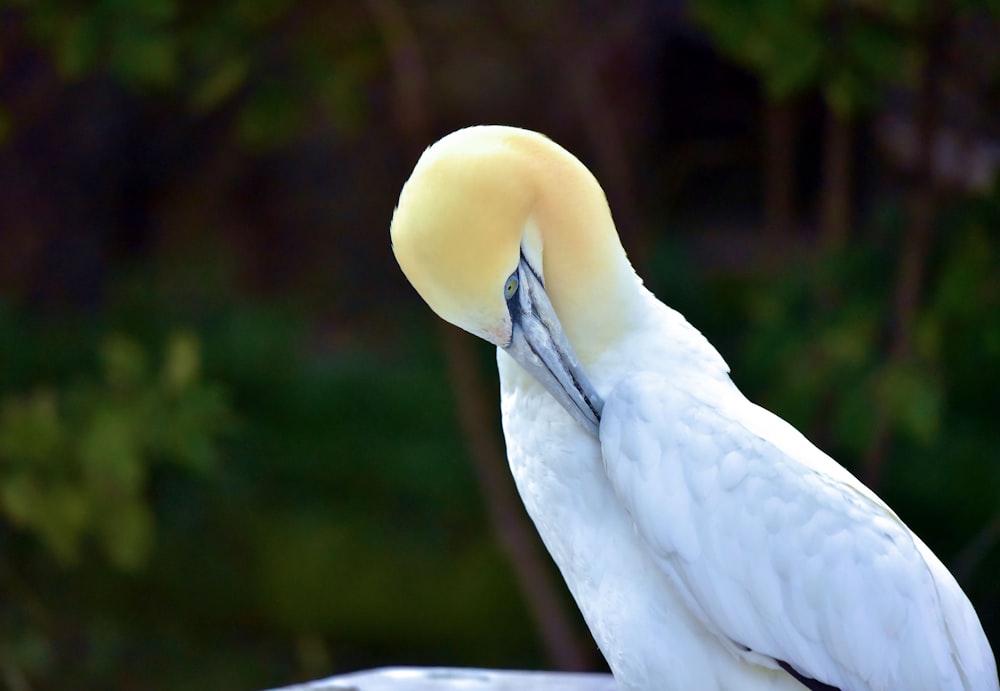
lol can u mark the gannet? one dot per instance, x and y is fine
(709, 545)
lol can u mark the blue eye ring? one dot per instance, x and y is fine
(510, 288)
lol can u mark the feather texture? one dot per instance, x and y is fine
(709, 545)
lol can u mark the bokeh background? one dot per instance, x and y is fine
(236, 450)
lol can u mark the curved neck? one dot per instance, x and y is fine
(588, 278)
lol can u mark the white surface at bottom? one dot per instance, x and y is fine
(457, 679)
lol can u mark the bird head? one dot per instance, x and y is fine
(458, 227)
(508, 236)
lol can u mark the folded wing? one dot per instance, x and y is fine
(788, 561)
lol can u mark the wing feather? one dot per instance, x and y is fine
(776, 548)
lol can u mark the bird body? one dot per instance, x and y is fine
(708, 544)
(647, 633)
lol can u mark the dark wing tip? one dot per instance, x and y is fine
(809, 683)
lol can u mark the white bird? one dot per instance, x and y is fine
(708, 544)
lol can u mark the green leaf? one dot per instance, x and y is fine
(125, 363)
(61, 516)
(110, 454)
(182, 363)
(31, 431)
(19, 498)
(127, 534)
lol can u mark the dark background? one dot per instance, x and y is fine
(237, 451)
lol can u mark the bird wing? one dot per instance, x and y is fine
(784, 556)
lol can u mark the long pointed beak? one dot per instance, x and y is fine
(540, 346)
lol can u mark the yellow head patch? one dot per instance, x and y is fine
(456, 232)
(481, 196)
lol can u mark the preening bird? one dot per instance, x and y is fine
(708, 544)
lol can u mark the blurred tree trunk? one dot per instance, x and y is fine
(476, 406)
(921, 204)
(780, 126)
(835, 203)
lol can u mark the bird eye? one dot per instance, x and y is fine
(511, 287)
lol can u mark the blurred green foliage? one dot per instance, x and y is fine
(847, 50)
(274, 60)
(235, 510)
(816, 335)
(202, 484)
(75, 461)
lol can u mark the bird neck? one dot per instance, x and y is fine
(593, 287)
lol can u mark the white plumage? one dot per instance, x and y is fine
(709, 545)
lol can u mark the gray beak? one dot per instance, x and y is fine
(539, 345)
